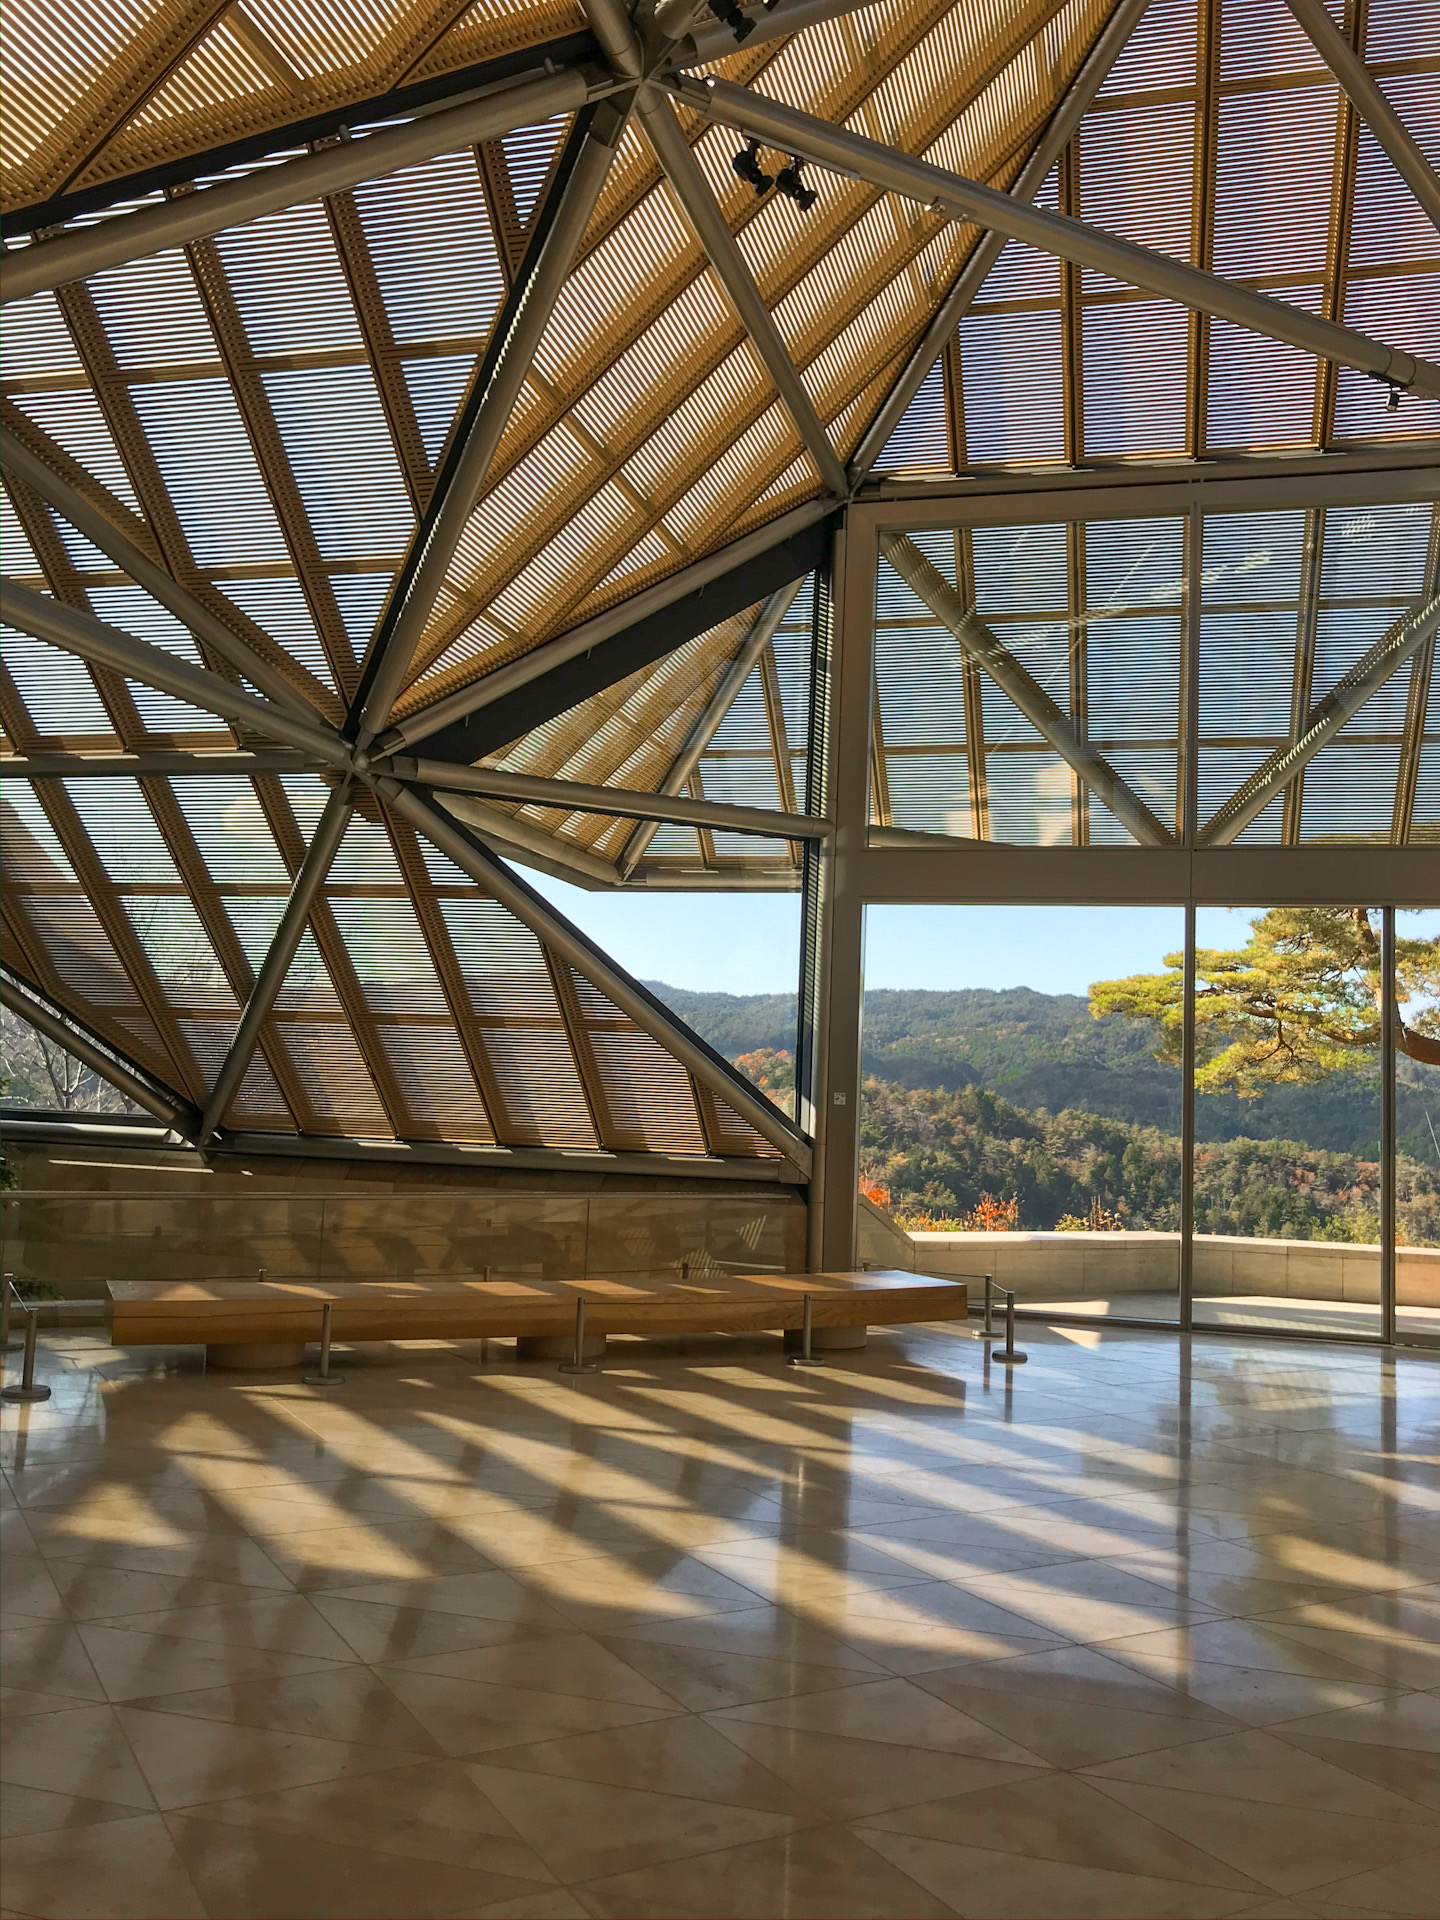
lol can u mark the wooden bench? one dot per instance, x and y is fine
(266, 1323)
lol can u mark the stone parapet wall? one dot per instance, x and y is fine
(1075, 1266)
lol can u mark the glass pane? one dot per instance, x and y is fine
(1287, 1119)
(1021, 1101)
(1417, 1114)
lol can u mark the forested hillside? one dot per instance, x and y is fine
(1045, 1051)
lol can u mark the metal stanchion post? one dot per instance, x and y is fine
(1007, 1355)
(325, 1378)
(805, 1357)
(579, 1364)
(27, 1389)
(7, 1293)
(987, 1332)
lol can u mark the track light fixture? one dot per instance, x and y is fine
(729, 15)
(793, 187)
(747, 165)
(1392, 403)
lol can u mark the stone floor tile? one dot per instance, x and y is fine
(140, 1666)
(187, 1761)
(1059, 1816)
(378, 1633)
(560, 1663)
(991, 1885)
(283, 1623)
(432, 1810)
(1409, 1720)
(1263, 1767)
(822, 1873)
(1403, 1887)
(252, 1873)
(121, 1870)
(851, 1777)
(35, 1810)
(1289, 1849)
(48, 1657)
(473, 1717)
(682, 1755)
(1069, 1733)
(586, 1829)
(894, 1711)
(84, 1752)
(351, 1704)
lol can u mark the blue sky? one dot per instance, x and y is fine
(749, 943)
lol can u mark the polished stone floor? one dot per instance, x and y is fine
(1152, 1629)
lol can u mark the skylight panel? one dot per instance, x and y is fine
(1017, 569)
(1253, 556)
(287, 281)
(429, 1066)
(436, 386)
(179, 950)
(73, 419)
(432, 248)
(1273, 218)
(1014, 386)
(389, 955)
(35, 341)
(1259, 392)
(123, 832)
(231, 831)
(1376, 550)
(32, 849)
(1404, 307)
(365, 858)
(1136, 387)
(343, 459)
(1137, 173)
(152, 313)
(204, 455)
(59, 695)
(1389, 225)
(278, 605)
(529, 155)
(20, 559)
(1349, 791)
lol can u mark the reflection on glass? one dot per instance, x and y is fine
(1288, 1119)
(1026, 1125)
(1417, 1116)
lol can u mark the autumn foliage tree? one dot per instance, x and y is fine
(1299, 1001)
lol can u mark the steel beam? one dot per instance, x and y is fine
(692, 190)
(551, 654)
(193, 216)
(969, 203)
(612, 27)
(999, 874)
(1021, 688)
(1390, 652)
(714, 40)
(625, 803)
(519, 840)
(102, 532)
(1366, 95)
(556, 933)
(168, 1108)
(708, 723)
(77, 632)
(502, 376)
(314, 869)
(176, 764)
(1059, 131)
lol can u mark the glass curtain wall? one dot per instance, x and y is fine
(1288, 1160)
(1417, 1127)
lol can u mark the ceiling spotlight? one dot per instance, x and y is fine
(1392, 404)
(793, 187)
(729, 15)
(747, 165)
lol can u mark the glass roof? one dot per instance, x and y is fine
(264, 414)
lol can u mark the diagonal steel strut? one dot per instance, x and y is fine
(969, 203)
(707, 725)
(1390, 652)
(75, 631)
(488, 409)
(1022, 689)
(314, 869)
(692, 190)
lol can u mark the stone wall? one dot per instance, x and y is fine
(1078, 1266)
(81, 1217)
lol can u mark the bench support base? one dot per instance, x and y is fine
(261, 1355)
(558, 1346)
(827, 1339)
